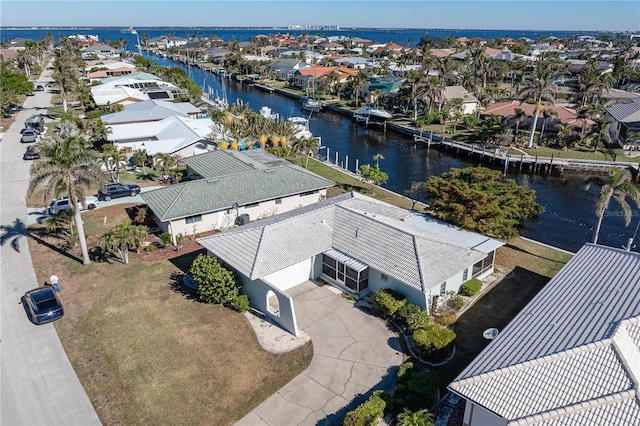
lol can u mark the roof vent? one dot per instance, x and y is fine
(269, 171)
(212, 180)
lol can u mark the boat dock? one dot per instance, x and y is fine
(265, 87)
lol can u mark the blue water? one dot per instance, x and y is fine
(568, 220)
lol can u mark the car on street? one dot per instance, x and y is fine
(39, 88)
(43, 305)
(59, 204)
(31, 153)
(117, 190)
(28, 136)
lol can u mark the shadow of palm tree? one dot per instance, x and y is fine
(146, 176)
(34, 236)
(12, 233)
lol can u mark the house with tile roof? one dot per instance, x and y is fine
(232, 184)
(571, 356)
(564, 115)
(150, 110)
(469, 102)
(624, 118)
(356, 243)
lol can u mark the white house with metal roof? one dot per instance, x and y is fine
(173, 135)
(356, 243)
(571, 356)
(233, 184)
(150, 110)
(131, 88)
(625, 119)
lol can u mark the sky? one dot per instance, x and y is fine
(592, 15)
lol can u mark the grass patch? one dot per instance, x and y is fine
(147, 352)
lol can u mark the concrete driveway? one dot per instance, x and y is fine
(37, 383)
(354, 354)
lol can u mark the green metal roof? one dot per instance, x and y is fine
(222, 162)
(220, 193)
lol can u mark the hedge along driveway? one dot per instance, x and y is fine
(354, 353)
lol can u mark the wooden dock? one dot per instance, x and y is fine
(264, 87)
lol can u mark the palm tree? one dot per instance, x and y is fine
(619, 187)
(164, 161)
(123, 238)
(140, 160)
(591, 82)
(600, 133)
(413, 83)
(519, 117)
(457, 110)
(547, 114)
(477, 57)
(358, 83)
(66, 167)
(539, 86)
(417, 418)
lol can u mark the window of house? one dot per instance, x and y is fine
(252, 205)
(443, 288)
(465, 275)
(278, 200)
(193, 219)
(384, 277)
(304, 194)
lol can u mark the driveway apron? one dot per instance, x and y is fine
(354, 354)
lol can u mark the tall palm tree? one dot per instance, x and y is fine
(519, 117)
(591, 82)
(477, 57)
(140, 160)
(539, 86)
(619, 187)
(547, 114)
(164, 161)
(66, 168)
(600, 133)
(413, 83)
(417, 418)
(359, 82)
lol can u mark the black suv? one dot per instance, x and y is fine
(117, 190)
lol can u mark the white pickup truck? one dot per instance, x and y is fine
(62, 203)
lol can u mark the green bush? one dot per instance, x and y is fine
(216, 284)
(240, 303)
(406, 311)
(471, 287)
(166, 238)
(151, 247)
(456, 303)
(369, 411)
(416, 388)
(388, 301)
(418, 320)
(434, 342)
(446, 320)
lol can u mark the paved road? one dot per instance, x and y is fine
(353, 354)
(37, 383)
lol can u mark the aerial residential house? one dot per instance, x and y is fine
(150, 110)
(284, 69)
(134, 87)
(570, 357)
(563, 115)
(174, 41)
(624, 118)
(175, 135)
(100, 51)
(233, 187)
(101, 69)
(215, 55)
(469, 102)
(359, 245)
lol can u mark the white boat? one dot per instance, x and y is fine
(129, 30)
(301, 127)
(373, 113)
(311, 105)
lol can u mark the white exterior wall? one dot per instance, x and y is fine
(475, 415)
(376, 283)
(291, 276)
(469, 107)
(453, 284)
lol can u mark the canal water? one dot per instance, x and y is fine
(569, 218)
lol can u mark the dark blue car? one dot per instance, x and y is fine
(43, 305)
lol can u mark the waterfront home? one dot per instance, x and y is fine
(150, 110)
(175, 135)
(233, 187)
(469, 102)
(571, 356)
(624, 118)
(100, 51)
(215, 55)
(564, 115)
(131, 88)
(97, 70)
(283, 69)
(356, 243)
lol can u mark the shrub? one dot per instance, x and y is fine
(456, 303)
(446, 320)
(166, 238)
(416, 388)
(405, 311)
(369, 411)
(240, 303)
(471, 287)
(388, 301)
(151, 247)
(418, 320)
(216, 284)
(434, 342)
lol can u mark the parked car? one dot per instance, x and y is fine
(35, 122)
(39, 88)
(31, 153)
(28, 136)
(43, 305)
(59, 204)
(117, 190)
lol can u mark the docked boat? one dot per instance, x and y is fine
(129, 30)
(311, 105)
(301, 127)
(373, 114)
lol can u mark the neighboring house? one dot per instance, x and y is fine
(100, 51)
(469, 101)
(565, 116)
(612, 96)
(173, 135)
(284, 69)
(570, 357)
(356, 243)
(99, 70)
(233, 184)
(624, 118)
(385, 84)
(131, 88)
(215, 55)
(151, 110)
